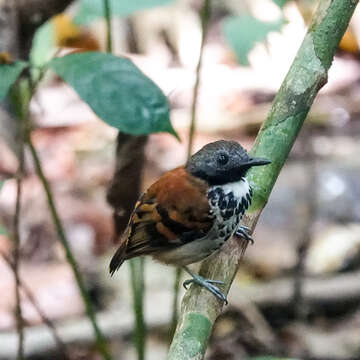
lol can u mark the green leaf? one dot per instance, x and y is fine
(117, 91)
(93, 9)
(280, 3)
(244, 31)
(43, 45)
(9, 74)
(1, 184)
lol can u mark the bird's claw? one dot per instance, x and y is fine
(207, 281)
(209, 285)
(244, 232)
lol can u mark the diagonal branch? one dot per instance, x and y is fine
(305, 78)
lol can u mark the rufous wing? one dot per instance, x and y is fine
(173, 211)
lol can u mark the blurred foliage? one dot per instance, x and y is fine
(60, 31)
(2, 229)
(43, 45)
(55, 32)
(117, 91)
(65, 28)
(270, 358)
(90, 10)
(243, 32)
(281, 3)
(349, 42)
(9, 74)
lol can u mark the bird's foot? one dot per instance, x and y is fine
(207, 284)
(244, 232)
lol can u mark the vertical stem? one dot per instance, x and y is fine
(16, 253)
(204, 17)
(20, 97)
(136, 265)
(100, 341)
(107, 12)
(138, 288)
(28, 293)
(175, 304)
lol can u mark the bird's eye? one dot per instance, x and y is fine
(223, 159)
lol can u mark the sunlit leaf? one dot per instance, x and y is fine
(244, 31)
(117, 91)
(43, 46)
(9, 74)
(92, 9)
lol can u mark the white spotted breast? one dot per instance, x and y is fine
(228, 204)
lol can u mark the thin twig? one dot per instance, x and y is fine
(28, 293)
(100, 340)
(138, 288)
(129, 162)
(204, 17)
(175, 304)
(107, 11)
(21, 99)
(136, 265)
(16, 252)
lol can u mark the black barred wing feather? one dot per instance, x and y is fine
(174, 211)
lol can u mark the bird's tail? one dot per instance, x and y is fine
(118, 258)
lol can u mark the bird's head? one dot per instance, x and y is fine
(222, 162)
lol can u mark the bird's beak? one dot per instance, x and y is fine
(256, 162)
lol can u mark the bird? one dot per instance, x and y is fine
(191, 211)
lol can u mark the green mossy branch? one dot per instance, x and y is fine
(306, 76)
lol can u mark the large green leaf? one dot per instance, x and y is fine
(43, 45)
(8, 75)
(92, 9)
(117, 91)
(244, 31)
